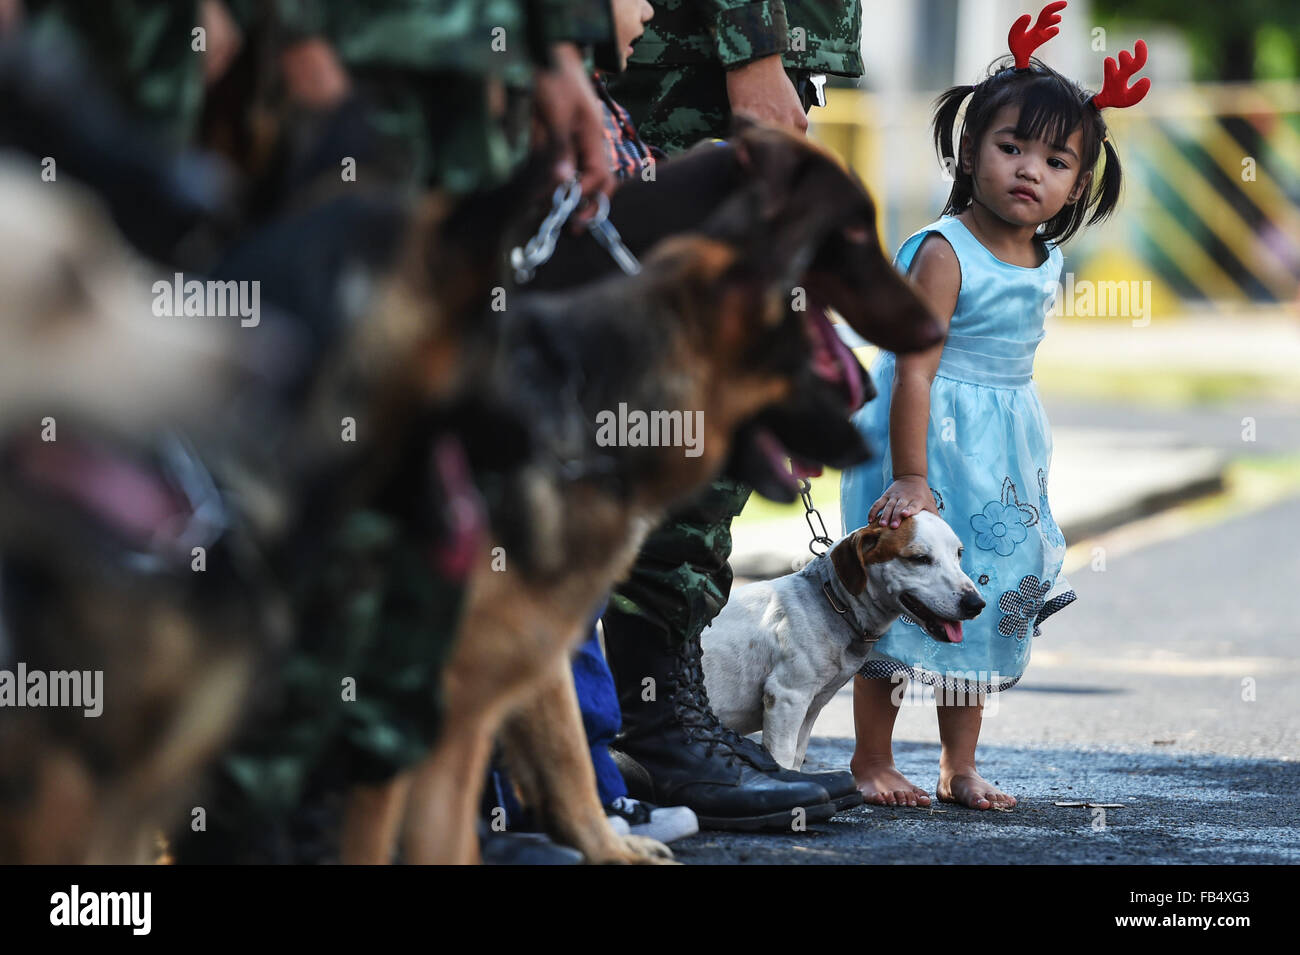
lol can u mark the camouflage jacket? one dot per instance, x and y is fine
(823, 36)
(143, 50)
(454, 36)
(432, 62)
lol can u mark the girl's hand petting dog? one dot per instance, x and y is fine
(908, 495)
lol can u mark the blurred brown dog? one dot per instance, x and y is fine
(104, 513)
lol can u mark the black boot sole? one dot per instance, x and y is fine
(772, 821)
(851, 801)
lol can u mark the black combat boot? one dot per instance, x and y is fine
(840, 786)
(674, 752)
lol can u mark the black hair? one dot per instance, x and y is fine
(1052, 107)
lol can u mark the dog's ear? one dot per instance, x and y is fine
(815, 212)
(848, 557)
(877, 544)
(799, 192)
(770, 158)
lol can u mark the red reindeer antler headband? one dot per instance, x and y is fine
(1115, 90)
(1024, 41)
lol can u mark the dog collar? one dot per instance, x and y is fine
(860, 633)
(208, 522)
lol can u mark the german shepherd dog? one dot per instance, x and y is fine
(118, 555)
(848, 273)
(707, 328)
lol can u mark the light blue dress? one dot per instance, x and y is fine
(989, 451)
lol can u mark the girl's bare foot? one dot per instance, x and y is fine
(881, 784)
(967, 787)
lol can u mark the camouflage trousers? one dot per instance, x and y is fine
(356, 699)
(681, 579)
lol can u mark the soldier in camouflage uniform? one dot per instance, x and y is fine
(687, 77)
(436, 70)
(142, 50)
(436, 78)
(370, 607)
(445, 78)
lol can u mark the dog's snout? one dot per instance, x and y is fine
(971, 604)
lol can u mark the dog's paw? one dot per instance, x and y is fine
(634, 850)
(648, 851)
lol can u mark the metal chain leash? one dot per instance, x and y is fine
(824, 539)
(537, 251)
(603, 231)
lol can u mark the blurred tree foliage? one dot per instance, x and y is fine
(1231, 40)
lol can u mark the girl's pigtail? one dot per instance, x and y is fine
(946, 108)
(1107, 192)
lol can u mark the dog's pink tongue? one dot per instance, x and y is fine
(127, 497)
(849, 368)
(805, 469)
(952, 630)
(463, 508)
(832, 361)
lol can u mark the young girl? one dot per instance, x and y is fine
(962, 433)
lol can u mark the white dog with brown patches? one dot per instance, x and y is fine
(780, 649)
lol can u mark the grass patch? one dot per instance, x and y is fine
(1276, 472)
(1166, 388)
(1248, 483)
(825, 496)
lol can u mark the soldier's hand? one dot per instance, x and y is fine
(11, 12)
(570, 113)
(313, 74)
(223, 39)
(761, 90)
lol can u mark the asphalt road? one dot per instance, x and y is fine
(1171, 686)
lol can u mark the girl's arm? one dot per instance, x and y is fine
(937, 276)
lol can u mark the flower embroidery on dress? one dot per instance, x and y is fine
(984, 578)
(1004, 524)
(1050, 529)
(1021, 606)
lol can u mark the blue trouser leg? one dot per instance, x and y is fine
(601, 717)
